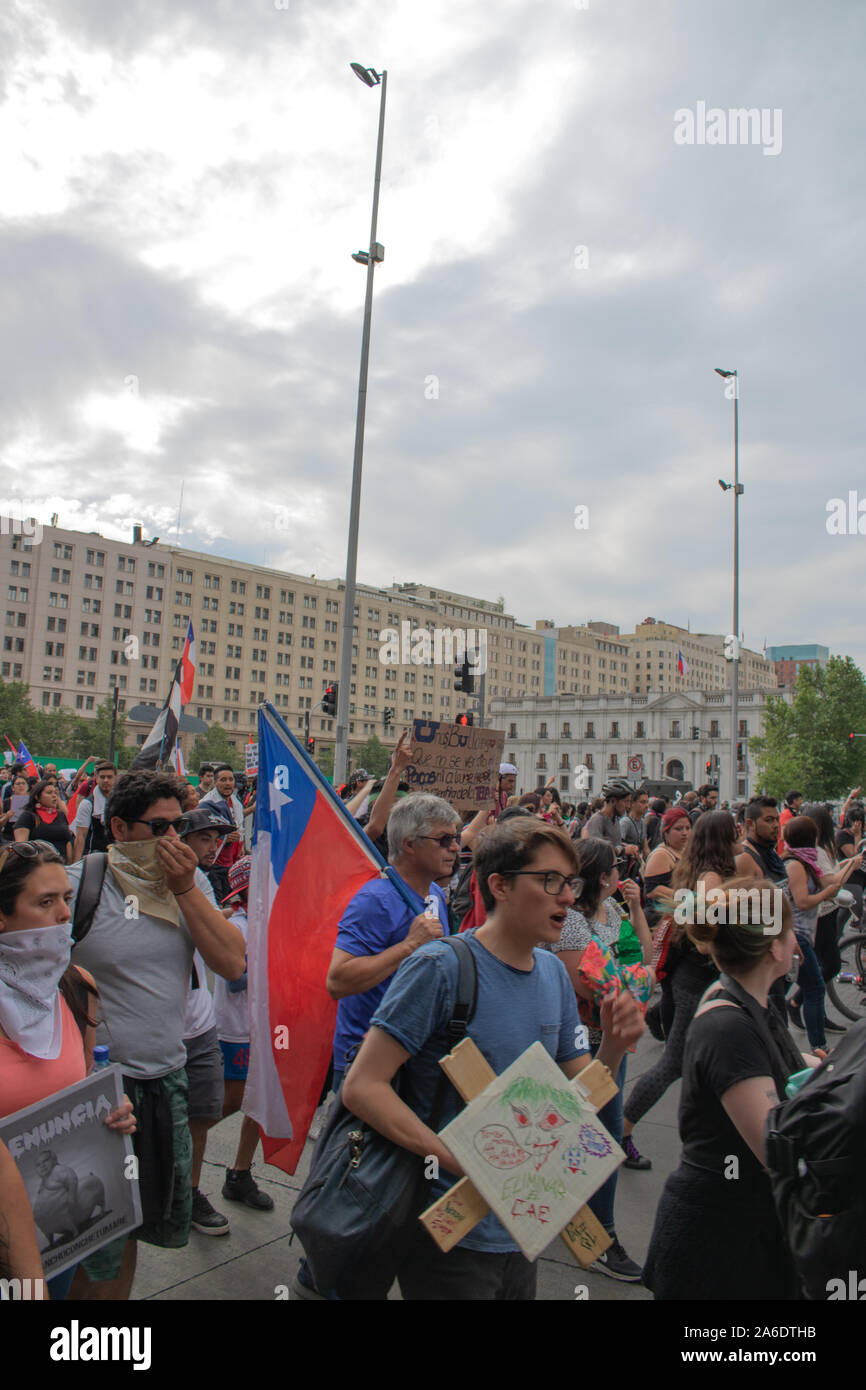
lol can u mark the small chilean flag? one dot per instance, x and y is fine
(310, 858)
(24, 757)
(682, 664)
(188, 663)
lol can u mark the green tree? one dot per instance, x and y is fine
(805, 744)
(212, 747)
(372, 755)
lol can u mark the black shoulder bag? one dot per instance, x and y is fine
(356, 1213)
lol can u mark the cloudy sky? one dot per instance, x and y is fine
(183, 182)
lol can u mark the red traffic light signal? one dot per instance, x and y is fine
(850, 740)
(464, 719)
(311, 746)
(709, 766)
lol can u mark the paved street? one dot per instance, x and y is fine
(256, 1257)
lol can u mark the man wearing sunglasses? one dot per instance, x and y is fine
(152, 913)
(379, 929)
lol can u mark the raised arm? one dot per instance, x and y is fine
(220, 942)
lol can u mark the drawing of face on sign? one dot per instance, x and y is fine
(544, 1121)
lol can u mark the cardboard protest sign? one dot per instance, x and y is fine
(251, 759)
(457, 762)
(81, 1177)
(534, 1148)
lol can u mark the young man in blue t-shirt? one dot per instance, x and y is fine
(526, 874)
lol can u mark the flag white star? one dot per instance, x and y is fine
(276, 800)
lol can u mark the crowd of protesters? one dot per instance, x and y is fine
(530, 882)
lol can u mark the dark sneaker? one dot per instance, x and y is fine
(616, 1264)
(795, 1015)
(654, 1022)
(205, 1219)
(240, 1187)
(633, 1159)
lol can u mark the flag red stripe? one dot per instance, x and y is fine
(323, 875)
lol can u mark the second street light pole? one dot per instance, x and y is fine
(735, 658)
(369, 258)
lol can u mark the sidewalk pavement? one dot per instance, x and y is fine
(256, 1258)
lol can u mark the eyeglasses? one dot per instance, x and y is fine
(26, 849)
(553, 882)
(160, 826)
(446, 841)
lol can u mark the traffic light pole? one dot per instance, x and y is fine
(482, 692)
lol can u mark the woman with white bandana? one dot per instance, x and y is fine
(46, 1034)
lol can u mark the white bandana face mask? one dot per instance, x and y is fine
(31, 964)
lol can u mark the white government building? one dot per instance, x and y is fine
(640, 737)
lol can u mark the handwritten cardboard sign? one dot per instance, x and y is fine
(534, 1149)
(457, 762)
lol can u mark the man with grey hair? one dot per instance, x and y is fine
(379, 928)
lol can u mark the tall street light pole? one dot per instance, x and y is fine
(370, 259)
(738, 489)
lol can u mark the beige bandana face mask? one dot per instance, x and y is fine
(139, 875)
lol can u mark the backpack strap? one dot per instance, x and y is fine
(467, 989)
(784, 1057)
(463, 1010)
(93, 874)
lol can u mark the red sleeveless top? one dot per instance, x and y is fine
(24, 1080)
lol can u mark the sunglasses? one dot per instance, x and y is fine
(26, 849)
(160, 826)
(445, 841)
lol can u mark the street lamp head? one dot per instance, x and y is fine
(721, 372)
(367, 75)
(362, 257)
(723, 485)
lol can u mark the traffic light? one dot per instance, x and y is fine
(851, 741)
(387, 716)
(329, 699)
(464, 719)
(739, 751)
(709, 766)
(464, 679)
(311, 746)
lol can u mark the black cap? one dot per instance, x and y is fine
(204, 818)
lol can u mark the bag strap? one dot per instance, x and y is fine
(94, 868)
(780, 1065)
(463, 1009)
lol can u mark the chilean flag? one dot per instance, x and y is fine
(682, 664)
(188, 663)
(310, 858)
(24, 757)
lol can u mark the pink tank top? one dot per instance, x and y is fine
(24, 1080)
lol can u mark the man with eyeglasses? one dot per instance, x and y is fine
(379, 928)
(151, 914)
(527, 874)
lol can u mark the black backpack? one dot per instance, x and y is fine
(98, 838)
(816, 1155)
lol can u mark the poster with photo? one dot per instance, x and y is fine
(81, 1177)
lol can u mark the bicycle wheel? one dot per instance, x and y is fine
(847, 992)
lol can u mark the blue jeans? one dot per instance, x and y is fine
(811, 982)
(601, 1203)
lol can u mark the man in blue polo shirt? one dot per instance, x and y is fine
(379, 928)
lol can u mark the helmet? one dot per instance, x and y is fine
(618, 788)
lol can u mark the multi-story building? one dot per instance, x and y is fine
(680, 735)
(655, 650)
(85, 614)
(788, 660)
